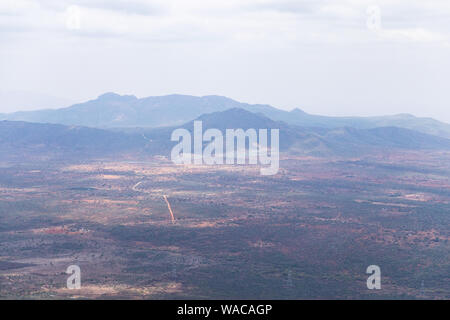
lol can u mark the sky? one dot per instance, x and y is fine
(331, 57)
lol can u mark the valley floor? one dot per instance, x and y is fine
(308, 232)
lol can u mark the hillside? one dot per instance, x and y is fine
(22, 139)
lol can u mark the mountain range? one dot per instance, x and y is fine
(111, 110)
(19, 139)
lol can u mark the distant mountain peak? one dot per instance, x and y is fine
(298, 111)
(236, 118)
(217, 97)
(405, 115)
(234, 113)
(108, 95)
(115, 96)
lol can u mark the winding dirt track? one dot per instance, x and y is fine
(170, 209)
(135, 188)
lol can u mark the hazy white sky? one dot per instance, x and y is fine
(323, 56)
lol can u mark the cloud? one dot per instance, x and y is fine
(414, 35)
(141, 7)
(14, 7)
(241, 20)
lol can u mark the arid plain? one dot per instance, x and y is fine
(308, 232)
